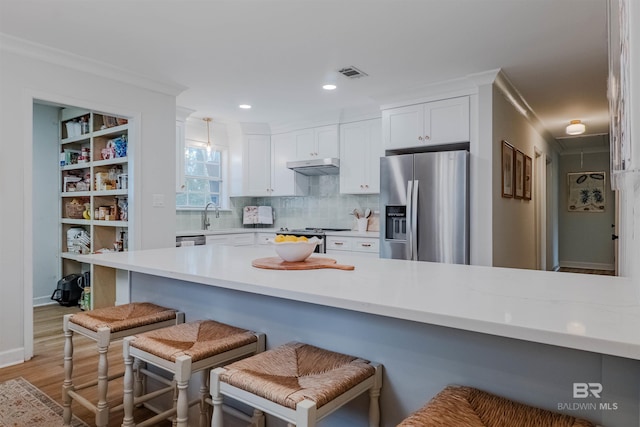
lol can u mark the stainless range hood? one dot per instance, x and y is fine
(328, 166)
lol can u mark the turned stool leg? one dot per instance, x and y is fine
(139, 386)
(128, 392)
(102, 408)
(68, 371)
(183, 375)
(374, 401)
(216, 399)
(204, 393)
(257, 420)
(305, 414)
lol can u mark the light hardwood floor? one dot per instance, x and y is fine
(46, 370)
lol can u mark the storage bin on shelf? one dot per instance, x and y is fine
(74, 209)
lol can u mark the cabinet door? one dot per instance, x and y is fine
(403, 127)
(326, 141)
(353, 157)
(360, 152)
(446, 121)
(257, 155)
(374, 152)
(283, 150)
(305, 144)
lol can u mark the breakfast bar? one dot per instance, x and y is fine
(530, 336)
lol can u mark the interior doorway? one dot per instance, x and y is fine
(587, 211)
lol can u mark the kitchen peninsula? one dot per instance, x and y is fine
(526, 335)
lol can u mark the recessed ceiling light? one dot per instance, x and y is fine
(244, 106)
(329, 87)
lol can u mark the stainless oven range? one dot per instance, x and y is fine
(311, 232)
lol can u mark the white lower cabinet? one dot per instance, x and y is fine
(366, 246)
(263, 238)
(238, 239)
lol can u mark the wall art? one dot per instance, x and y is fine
(586, 192)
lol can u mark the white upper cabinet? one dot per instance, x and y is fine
(360, 152)
(284, 181)
(316, 143)
(265, 168)
(257, 166)
(438, 122)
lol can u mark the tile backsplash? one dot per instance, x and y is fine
(323, 207)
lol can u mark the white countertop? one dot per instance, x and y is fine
(350, 233)
(587, 312)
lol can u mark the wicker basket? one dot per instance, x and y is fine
(74, 210)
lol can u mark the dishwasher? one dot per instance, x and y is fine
(196, 240)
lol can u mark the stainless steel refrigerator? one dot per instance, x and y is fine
(424, 207)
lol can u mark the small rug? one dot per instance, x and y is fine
(24, 405)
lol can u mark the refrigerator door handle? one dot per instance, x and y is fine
(409, 218)
(414, 221)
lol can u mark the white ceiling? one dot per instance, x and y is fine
(275, 54)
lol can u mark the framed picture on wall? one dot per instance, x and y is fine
(518, 174)
(587, 191)
(507, 169)
(528, 165)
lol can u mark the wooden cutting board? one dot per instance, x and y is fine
(311, 263)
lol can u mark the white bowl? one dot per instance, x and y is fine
(295, 251)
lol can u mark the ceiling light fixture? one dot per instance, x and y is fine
(244, 106)
(329, 87)
(576, 127)
(208, 120)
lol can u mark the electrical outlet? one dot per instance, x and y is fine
(158, 200)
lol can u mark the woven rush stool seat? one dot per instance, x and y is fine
(458, 406)
(183, 350)
(298, 383)
(105, 325)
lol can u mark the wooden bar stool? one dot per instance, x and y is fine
(458, 406)
(183, 350)
(105, 325)
(298, 383)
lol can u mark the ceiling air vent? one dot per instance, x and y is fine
(352, 72)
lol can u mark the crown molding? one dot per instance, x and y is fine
(512, 95)
(66, 59)
(182, 113)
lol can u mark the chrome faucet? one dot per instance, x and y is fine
(205, 218)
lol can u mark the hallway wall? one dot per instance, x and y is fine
(585, 237)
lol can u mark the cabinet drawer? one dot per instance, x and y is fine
(338, 243)
(218, 239)
(263, 238)
(242, 239)
(366, 245)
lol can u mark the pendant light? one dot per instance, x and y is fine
(576, 127)
(208, 120)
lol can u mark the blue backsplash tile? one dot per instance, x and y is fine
(323, 207)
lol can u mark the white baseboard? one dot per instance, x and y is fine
(587, 265)
(38, 301)
(11, 357)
